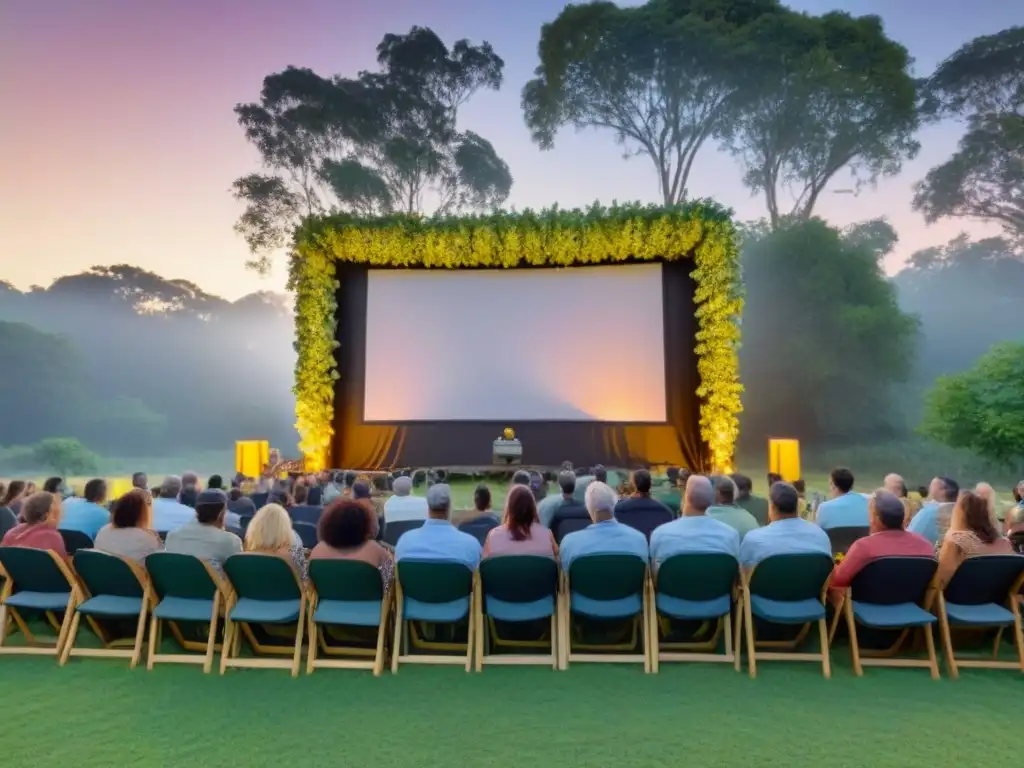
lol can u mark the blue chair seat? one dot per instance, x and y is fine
(184, 609)
(678, 608)
(111, 605)
(445, 613)
(352, 613)
(265, 611)
(891, 616)
(985, 615)
(503, 610)
(787, 611)
(40, 601)
(623, 608)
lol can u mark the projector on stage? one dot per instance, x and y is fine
(508, 451)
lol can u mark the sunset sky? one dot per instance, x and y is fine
(118, 142)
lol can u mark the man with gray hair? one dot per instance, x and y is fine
(168, 513)
(787, 533)
(604, 536)
(403, 506)
(438, 539)
(695, 532)
(725, 509)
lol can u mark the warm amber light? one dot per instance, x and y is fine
(509, 433)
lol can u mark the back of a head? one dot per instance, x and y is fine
(344, 525)
(951, 487)
(482, 498)
(170, 487)
(521, 477)
(360, 491)
(600, 473)
(210, 506)
(234, 494)
(215, 481)
(402, 486)
(53, 484)
(784, 499)
(520, 512)
(725, 491)
(888, 509)
(350, 479)
(774, 477)
(744, 485)
(14, 489)
(975, 517)
(36, 508)
(189, 480)
(439, 499)
(800, 485)
(842, 479)
(567, 482)
(642, 481)
(269, 530)
(699, 495)
(600, 500)
(96, 490)
(132, 510)
(301, 494)
(140, 480)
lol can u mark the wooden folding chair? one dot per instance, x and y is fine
(36, 580)
(439, 592)
(787, 589)
(265, 590)
(115, 588)
(346, 594)
(186, 589)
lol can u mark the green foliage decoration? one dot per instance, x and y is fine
(700, 229)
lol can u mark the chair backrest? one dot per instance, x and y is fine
(842, 538)
(75, 540)
(894, 580)
(259, 499)
(646, 520)
(562, 526)
(697, 576)
(479, 527)
(434, 581)
(105, 574)
(306, 513)
(519, 578)
(791, 577)
(340, 579)
(607, 577)
(393, 531)
(33, 570)
(7, 520)
(307, 532)
(175, 575)
(262, 577)
(984, 579)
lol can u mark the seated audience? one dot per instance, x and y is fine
(745, 498)
(695, 531)
(40, 514)
(54, 485)
(640, 509)
(344, 533)
(333, 489)
(189, 489)
(204, 536)
(987, 493)
(566, 506)
(438, 539)
(238, 505)
(971, 533)
(725, 509)
(130, 532)
(87, 515)
(933, 518)
(270, 532)
(887, 539)
(13, 495)
(845, 509)
(403, 505)
(605, 535)
(216, 482)
(140, 480)
(521, 532)
(546, 508)
(300, 494)
(482, 502)
(786, 533)
(168, 513)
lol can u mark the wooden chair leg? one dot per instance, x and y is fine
(748, 620)
(933, 659)
(226, 648)
(154, 626)
(995, 644)
(737, 642)
(652, 638)
(65, 625)
(840, 610)
(1018, 632)
(3, 624)
(140, 635)
(313, 633)
(471, 634)
(211, 640)
(397, 650)
(479, 635)
(299, 633)
(826, 655)
(69, 637)
(947, 641)
(555, 655)
(851, 628)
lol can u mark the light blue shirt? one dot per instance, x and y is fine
(847, 511)
(608, 537)
(926, 522)
(547, 506)
(83, 516)
(697, 534)
(439, 540)
(170, 515)
(790, 536)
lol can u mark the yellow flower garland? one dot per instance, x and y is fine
(701, 230)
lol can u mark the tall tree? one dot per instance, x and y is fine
(662, 77)
(380, 142)
(982, 83)
(829, 94)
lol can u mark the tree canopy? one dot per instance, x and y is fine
(382, 142)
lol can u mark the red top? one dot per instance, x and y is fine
(38, 536)
(882, 544)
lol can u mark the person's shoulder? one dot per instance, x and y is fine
(468, 538)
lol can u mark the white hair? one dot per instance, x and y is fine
(600, 500)
(402, 486)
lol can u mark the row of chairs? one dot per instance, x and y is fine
(895, 594)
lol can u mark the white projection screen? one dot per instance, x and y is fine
(577, 344)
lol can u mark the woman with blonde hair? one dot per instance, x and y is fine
(40, 513)
(270, 531)
(988, 493)
(130, 532)
(971, 533)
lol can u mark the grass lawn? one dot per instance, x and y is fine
(100, 713)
